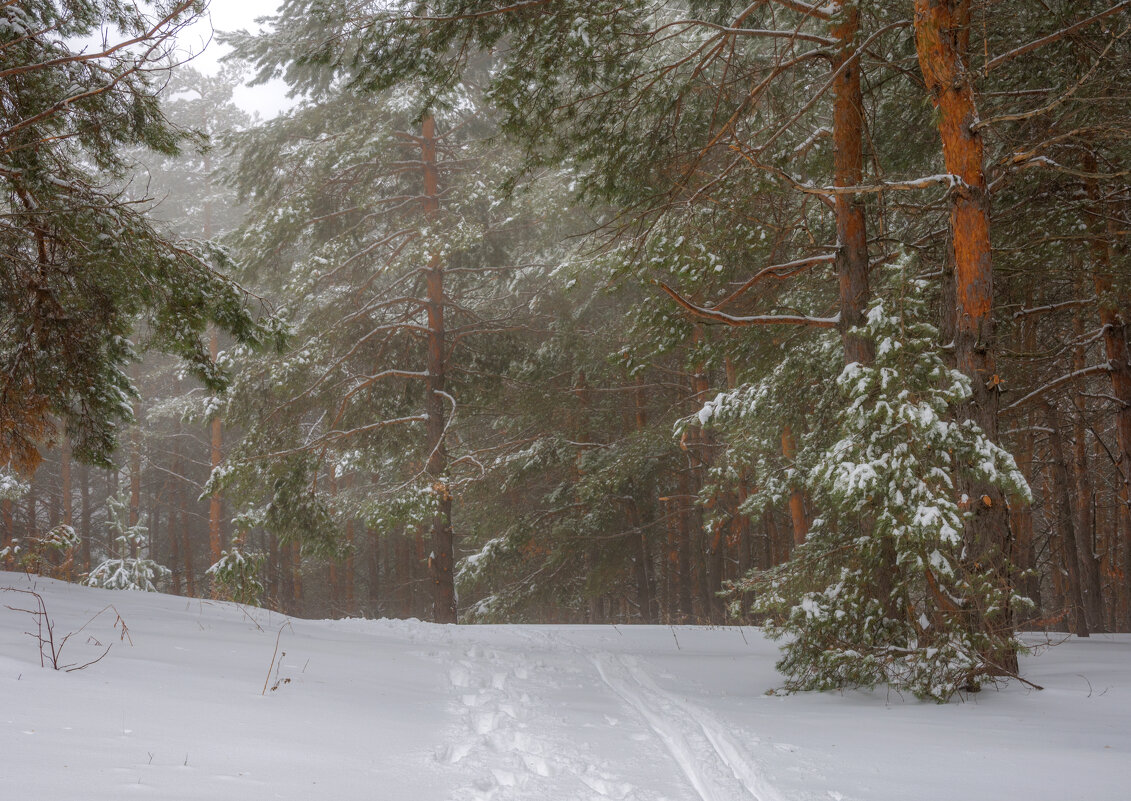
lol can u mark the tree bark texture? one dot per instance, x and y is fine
(215, 509)
(848, 166)
(796, 498)
(1085, 518)
(942, 42)
(442, 560)
(1066, 525)
(1114, 307)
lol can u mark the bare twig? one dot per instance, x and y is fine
(275, 654)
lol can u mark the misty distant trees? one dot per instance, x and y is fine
(587, 299)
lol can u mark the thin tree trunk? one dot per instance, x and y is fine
(295, 567)
(796, 498)
(177, 569)
(270, 547)
(9, 524)
(641, 561)
(1021, 511)
(84, 516)
(54, 514)
(442, 560)
(186, 544)
(1113, 304)
(645, 567)
(65, 481)
(745, 548)
(1066, 525)
(684, 543)
(286, 578)
(111, 492)
(348, 603)
(215, 506)
(1021, 521)
(1085, 518)
(711, 555)
(771, 541)
(671, 560)
(65, 476)
(1054, 557)
(374, 589)
(32, 508)
(135, 473)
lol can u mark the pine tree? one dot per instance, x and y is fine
(884, 589)
(131, 568)
(81, 264)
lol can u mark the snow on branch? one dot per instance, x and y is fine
(735, 321)
(808, 9)
(778, 271)
(491, 12)
(154, 32)
(735, 31)
(1050, 386)
(1052, 37)
(949, 179)
(1053, 307)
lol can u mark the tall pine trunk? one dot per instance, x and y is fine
(1113, 304)
(852, 263)
(942, 44)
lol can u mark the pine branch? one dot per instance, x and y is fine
(738, 322)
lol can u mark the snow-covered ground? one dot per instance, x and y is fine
(408, 711)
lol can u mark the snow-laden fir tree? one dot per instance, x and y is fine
(235, 577)
(882, 589)
(131, 569)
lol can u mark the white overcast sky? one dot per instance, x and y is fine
(232, 15)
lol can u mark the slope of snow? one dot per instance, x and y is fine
(409, 711)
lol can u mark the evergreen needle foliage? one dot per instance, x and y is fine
(132, 569)
(882, 590)
(236, 576)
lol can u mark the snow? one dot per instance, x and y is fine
(410, 711)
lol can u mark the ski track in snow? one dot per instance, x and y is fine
(715, 765)
(516, 755)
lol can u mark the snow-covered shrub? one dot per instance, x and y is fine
(235, 577)
(127, 571)
(51, 554)
(881, 590)
(12, 488)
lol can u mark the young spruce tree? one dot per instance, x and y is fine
(883, 590)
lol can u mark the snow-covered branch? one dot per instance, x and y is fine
(1059, 382)
(737, 321)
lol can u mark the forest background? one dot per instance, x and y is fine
(807, 315)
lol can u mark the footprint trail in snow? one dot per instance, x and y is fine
(524, 734)
(508, 739)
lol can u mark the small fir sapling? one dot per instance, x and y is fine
(235, 577)
(126, 572)
(51, 554)
(12, 487)
(881, 590)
